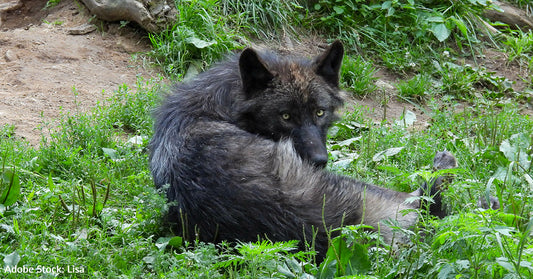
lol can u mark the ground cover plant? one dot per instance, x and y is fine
(83, 205)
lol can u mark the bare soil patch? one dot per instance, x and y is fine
(44, 70)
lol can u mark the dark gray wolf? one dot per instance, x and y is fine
(241, 149)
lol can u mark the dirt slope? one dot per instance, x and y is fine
(41, 63)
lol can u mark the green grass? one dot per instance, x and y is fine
(199, 37)
(519, 46)
(86, 202)
(417, 89)
(357, 76)
(265, 19)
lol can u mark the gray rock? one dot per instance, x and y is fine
(10, 55)
(82, 29)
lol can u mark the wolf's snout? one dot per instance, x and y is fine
(319, 159)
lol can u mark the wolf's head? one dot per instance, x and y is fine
(291, 98)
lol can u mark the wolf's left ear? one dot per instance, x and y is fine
(328, 65)
(254, 74)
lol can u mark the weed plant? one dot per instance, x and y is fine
(417, 89)
(200, 37)
(357, 75)
(264, 19)
(393, 28)
(519, 46)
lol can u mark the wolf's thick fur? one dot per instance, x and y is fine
(241, 148)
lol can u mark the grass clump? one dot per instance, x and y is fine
(357, 76)
(417, 89)
(519, 46)
(76, 196)
(264, 19)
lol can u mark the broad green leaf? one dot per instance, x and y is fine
(441, 239)
(507, 231)
(176, 242)
(285, 271)
(445, 271)
(407, 119)
(390, 11)
(440, 31)
(327, 268)
(345, 162)
(527, 265)
(359, 262)
(12, 259)
(137, 140)
(10, 187)
(461, 25)
(514, 149)
(504, 262)
(50, 183)
(386, 153)
(112, 153)
(351, 259)
(438, 19)
(162, 242)
(529, 180)
(149, 259)
(199, 43)
(463, 264)
(338, 9)
(509, 219)
(7, 228)
(349, 141)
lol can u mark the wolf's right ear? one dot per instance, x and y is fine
(254, 74)
(328, 65)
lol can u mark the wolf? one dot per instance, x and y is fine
(241, 150)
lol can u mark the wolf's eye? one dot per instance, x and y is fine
(320, 113)
(286, 116)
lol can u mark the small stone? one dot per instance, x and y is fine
(82, 29)
(10, 56)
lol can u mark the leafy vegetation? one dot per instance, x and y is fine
(82, 204)
(416, 89)
(267, 19)
(199, 38)
(520, 47)
(358, 75)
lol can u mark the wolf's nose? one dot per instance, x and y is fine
(319, 160)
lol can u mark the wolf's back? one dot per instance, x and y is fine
(207, 97)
